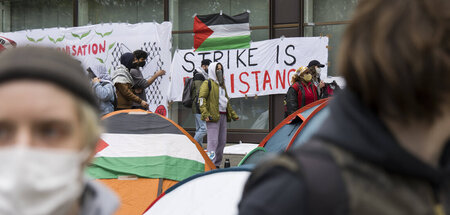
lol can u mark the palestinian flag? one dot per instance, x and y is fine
(145, 145)
(220, 31)
(6, 43)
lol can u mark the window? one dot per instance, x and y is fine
(329, 18)
(130, 11)
(19, 15)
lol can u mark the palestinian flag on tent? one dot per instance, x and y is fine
(220, 31)
(146, 145)
(6, 43)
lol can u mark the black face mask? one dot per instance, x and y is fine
(219, 74)
(141, 63)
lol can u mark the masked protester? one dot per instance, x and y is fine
(123, 81)
(140, 83)
(324, 89)
(216, 111)
(316, 68)
(301, 92)
(49, 127)
(384, 146)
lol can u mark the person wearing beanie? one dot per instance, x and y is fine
(140, 83)
(49, 127)
(200, 75)
(123, 81)
(302, 91)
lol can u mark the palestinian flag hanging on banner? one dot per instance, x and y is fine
(220, 31)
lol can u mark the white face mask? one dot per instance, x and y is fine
(318, 70)
(39, 181)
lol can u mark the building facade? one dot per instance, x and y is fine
(268, 19)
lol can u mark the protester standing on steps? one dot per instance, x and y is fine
(123, 81)
(216, 110)
(316, 68)
(140, 83)
(302, 91)
(104, 89)
(200, 75)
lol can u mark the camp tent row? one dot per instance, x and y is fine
(219, 191)
(150, 160)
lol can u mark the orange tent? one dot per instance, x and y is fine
(142, 154)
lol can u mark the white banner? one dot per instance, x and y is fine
(263, 69)
(105, 43)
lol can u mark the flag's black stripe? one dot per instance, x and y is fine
(217, 19)
(125, 123)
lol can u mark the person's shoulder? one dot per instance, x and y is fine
(135, 71)
(198, 76)
(98, 199)
(275, 190)
(106, 83)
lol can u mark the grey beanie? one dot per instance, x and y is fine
(50, 65)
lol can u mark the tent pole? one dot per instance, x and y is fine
(160, 187)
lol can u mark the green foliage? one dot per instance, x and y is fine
(51, 39)
(85, 34)
(99, 59)
(57, 40)
(76, 35)
(60, 39)
(111, 46)
(34, 40)
(105, 34)
(31, 39)
(82, 35)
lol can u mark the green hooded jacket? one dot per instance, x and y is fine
(209, 98)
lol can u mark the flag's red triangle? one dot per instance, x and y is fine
(202, 32)
(4, 43)
(101, 145)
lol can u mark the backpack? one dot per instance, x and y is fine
(187, 92)
(314, 165)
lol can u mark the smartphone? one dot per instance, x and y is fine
(91, 73)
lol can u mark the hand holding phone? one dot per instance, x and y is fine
(91, 74)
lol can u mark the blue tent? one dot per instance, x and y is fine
(293, 131)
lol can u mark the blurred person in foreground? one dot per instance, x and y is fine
(385, 148)
(49, 127)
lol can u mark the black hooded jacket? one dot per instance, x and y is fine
(353, 128)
